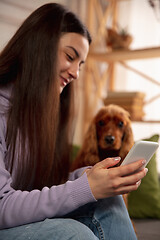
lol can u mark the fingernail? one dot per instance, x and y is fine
(144, 162)
(139, 182)
(146, 170)
(117, 158)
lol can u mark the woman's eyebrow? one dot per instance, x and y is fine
(77, 54)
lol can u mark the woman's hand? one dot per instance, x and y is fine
(106, 182)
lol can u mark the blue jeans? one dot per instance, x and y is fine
(104, 219)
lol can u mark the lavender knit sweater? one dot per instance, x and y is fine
(21, 207)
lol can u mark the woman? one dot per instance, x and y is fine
(39, 199)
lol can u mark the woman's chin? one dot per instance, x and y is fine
(61, 89)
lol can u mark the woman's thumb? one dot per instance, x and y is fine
(108, 162)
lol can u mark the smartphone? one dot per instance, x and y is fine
(141, 150)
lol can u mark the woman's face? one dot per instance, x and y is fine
(72, 53)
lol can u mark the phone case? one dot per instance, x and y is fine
(141, 150)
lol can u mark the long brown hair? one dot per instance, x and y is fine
(39, 118)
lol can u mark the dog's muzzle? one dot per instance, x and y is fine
(109, 139)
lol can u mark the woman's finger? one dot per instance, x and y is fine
(134, 178)
(127, 189)
(108, 162)
(130, 182)
(131, 168)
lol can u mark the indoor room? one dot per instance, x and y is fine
(122, 70)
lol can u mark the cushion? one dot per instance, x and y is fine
(75, 150)
(145, 201)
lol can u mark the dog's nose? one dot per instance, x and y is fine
(109, 139)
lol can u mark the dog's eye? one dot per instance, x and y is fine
(120, 124)
(101, 123)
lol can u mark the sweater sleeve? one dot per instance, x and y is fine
(22, 207)
(77, 173)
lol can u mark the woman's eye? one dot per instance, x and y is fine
(70, 57)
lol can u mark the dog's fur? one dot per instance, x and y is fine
(109, 135)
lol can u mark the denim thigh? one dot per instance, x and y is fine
(49, 229)
(107, 218)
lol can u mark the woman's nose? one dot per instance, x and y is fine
(74, 71)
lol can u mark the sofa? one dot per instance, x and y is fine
(147, 229)
(144, 203)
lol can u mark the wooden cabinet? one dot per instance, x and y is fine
(95, 78)
(125, 55)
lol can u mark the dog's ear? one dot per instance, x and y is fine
(90, 141)
(127, 142)
(88, 154)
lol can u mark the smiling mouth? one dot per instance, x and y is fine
(64, 81)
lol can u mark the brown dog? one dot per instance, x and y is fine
(109, 135)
